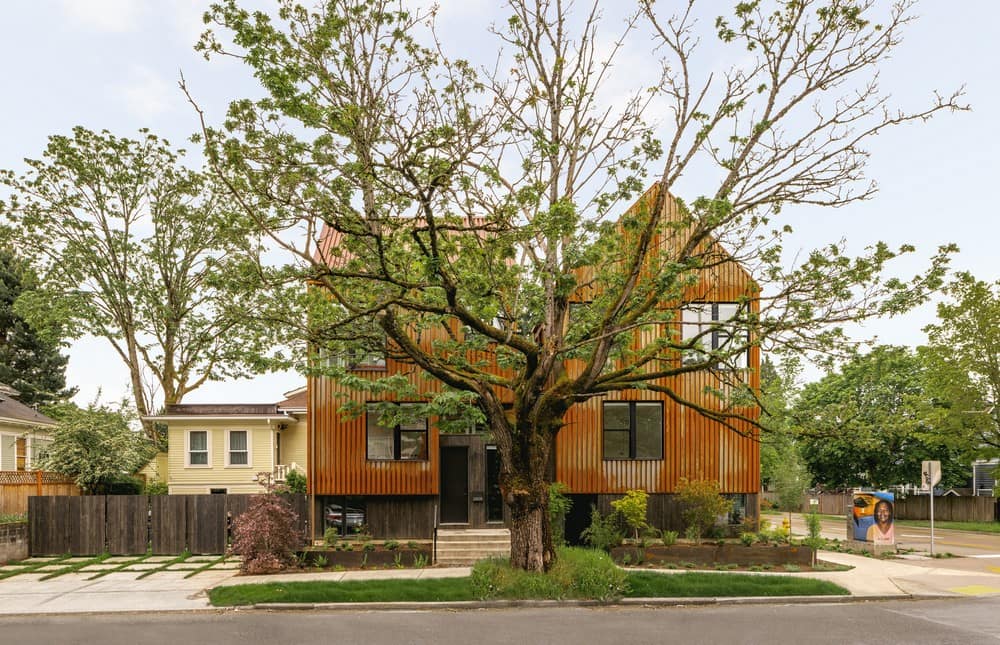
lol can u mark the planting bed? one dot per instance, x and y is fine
(731, 556)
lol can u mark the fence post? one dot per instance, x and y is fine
(38, 483)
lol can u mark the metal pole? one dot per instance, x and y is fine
(932, 520)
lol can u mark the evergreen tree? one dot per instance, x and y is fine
(30, 360)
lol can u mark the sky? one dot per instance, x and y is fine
(115, 65)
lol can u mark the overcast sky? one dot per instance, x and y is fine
(114, 64)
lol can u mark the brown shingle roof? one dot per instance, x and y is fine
(11, 408)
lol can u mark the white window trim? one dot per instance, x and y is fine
(187, 449)
(249, 463)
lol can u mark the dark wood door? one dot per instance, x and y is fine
(454, 485)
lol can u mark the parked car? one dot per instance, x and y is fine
(334, 515)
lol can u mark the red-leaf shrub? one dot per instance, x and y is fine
(266, 535)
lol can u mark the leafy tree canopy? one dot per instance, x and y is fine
(875, 420)
(964, 350)
(134, 248)
(96, 445)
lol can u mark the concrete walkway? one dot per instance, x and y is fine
(169, 590)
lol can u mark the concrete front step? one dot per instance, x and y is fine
(467, 546)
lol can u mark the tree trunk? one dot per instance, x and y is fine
(524, 480)
(530, 535)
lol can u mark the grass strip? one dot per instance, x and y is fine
(207, 565)
(641, 585)
(978, 527)
(648, 584)
(428, 590)
(123, 565)
(30, 568)
(181, 558)
(76, 566)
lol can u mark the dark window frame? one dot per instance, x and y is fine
(397, 436)
(632, 431)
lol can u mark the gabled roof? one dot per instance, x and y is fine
(13, 411)
(295, 401)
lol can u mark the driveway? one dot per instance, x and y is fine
(113, 584)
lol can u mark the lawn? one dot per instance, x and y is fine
(981, 527)
(641, 584)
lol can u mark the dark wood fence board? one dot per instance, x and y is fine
(91, 520)
(168, 524)
(128, 524)
(206, 529)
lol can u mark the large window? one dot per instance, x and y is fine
(633, 430)
(237, 448)
(197, 449)
(705, 324)
(405, 441)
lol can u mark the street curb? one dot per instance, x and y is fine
(624, 602)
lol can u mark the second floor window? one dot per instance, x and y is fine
(633, 430)
(705, 323)
(404, 441)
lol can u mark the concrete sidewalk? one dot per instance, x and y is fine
(171, 591)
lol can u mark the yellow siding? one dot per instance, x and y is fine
(236, 479)
(157, 469)
(294, 442)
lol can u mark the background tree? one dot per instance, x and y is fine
(874, 421)
(134, 248)
(435, 195)
(779, 450)
(964, 354)
(96, 445)
(30, 360)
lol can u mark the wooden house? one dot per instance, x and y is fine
(404, 481)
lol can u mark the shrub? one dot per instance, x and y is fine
(295, 482)
(604, 532)
(330, 536)
(559, 506)
(669, 538)
(632, 508)
(155, 487)
(703, 505)
(577, 573)
(692, 533)
(748, 538)
(266, 534)
(391, 545)
(814, 526)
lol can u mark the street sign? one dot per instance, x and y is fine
(930, 474)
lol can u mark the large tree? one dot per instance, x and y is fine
(873, 421)
(483, 201)
(134, 248)
(30, 359)
(964, 347)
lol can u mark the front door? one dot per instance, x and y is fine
(454, 485)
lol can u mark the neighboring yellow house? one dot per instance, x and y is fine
(223, 448)
(24, 432)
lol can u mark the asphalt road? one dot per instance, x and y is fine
(965, 622)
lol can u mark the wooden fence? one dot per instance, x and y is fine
(17, 485)
(133, 524)
(914, 507)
